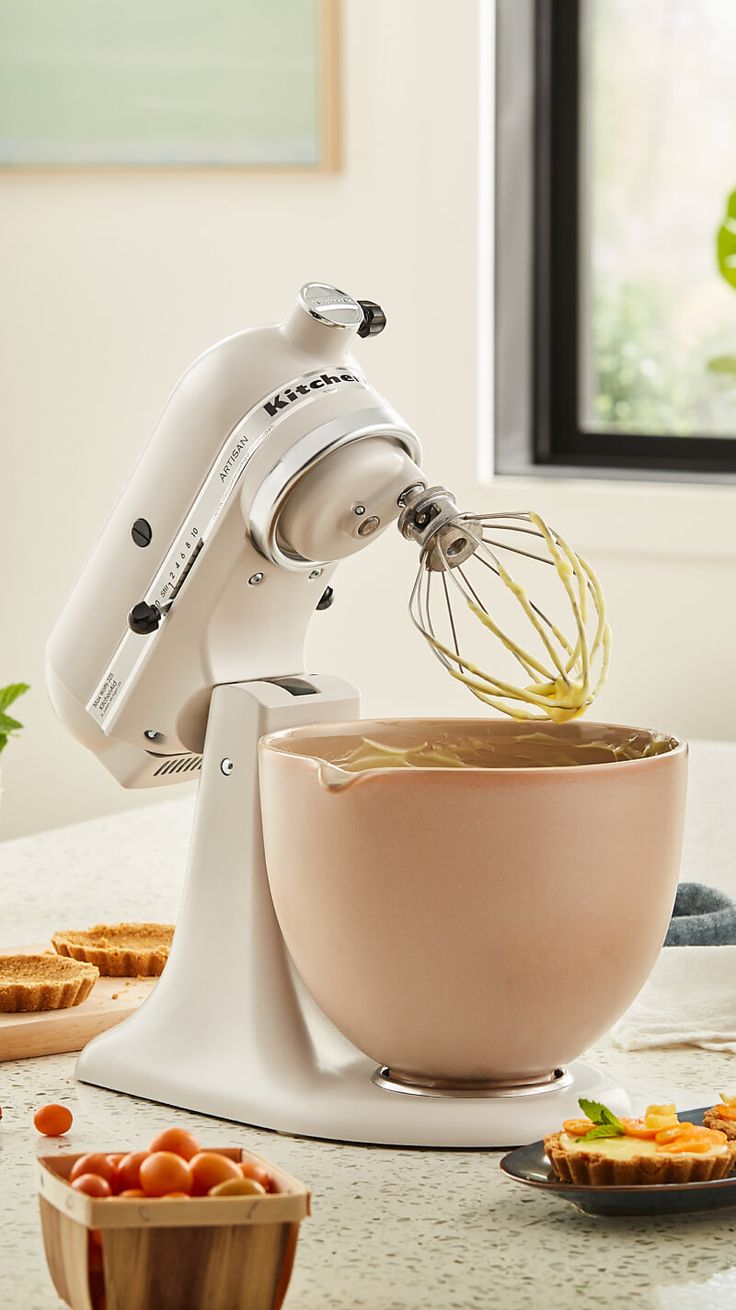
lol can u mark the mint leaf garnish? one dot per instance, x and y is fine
(605, 1122)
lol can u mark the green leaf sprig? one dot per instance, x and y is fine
(8, 724)
(726, 242)
(605, 1121)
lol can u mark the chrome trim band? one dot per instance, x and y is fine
(552, 1082)
(271, 496)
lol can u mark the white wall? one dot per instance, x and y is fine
(112, 283)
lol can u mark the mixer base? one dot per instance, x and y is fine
(265, 1055)
(344, 1104)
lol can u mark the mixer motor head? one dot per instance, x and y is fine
(274, 459)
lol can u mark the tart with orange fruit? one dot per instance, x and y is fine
(722, 1117)
(600, 1150)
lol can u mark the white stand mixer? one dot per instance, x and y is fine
(218, 589)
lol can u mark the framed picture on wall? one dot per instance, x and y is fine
(174, 83)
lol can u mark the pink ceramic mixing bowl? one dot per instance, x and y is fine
(474, 924)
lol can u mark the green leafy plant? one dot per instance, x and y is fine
(726, 258)
(9, 725)
(726, 242)
(636, 386)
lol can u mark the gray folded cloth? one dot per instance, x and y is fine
(702, 917)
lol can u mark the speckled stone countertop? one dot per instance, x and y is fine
(391, 1230)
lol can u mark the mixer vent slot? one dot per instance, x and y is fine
(179, 764)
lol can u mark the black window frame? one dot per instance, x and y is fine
(557, 437)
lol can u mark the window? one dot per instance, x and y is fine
(616, 254)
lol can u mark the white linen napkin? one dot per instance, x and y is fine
(689, 999)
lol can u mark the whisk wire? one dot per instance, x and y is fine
(452, 617)
(521, 596)
(540, 613)
(528, 663)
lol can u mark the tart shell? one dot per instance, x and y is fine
(30, 983)
(594, 1169)
(119, 950)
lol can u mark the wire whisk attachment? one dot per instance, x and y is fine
(465, 589)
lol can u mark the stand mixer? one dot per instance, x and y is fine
(182, 645)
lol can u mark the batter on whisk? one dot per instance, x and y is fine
(567, 670)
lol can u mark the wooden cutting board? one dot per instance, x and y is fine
(52, 1032)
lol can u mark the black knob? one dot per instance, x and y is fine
(144, 618)
(141, 532)
(326, 599)
(374, 319)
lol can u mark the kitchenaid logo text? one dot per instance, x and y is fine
(284, 398)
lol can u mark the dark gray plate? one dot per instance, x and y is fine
(530, 1165)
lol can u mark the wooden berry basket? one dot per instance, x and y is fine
(202, 1253)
